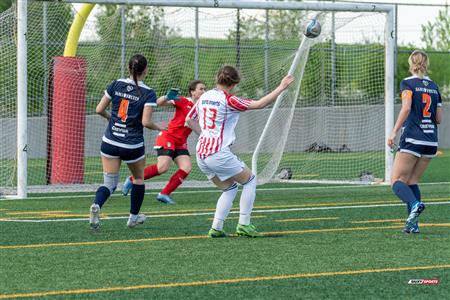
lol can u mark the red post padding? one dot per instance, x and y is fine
(67, 120)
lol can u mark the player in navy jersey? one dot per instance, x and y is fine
(419, 116)
(131, 110)
(171, 144)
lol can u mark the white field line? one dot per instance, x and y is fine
(200, 191)
(232, 212)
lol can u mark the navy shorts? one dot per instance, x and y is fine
(128, 156)
(417, 150)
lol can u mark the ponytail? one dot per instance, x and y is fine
(228, 76)
(418, 63)
(136, 66)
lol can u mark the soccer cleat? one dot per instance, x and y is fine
(413, 229)
(164, 199)
(214, 233)
(413, 218)
(94, 216)
(127, 186)
(135, 220)
(247, 230)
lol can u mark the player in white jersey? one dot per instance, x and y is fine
(418, 118)
(214, 118)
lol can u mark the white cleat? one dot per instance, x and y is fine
(94, 216)
(134, 220)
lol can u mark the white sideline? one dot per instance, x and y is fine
(232, 212)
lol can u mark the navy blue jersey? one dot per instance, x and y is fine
(127, 105)
(420, 127)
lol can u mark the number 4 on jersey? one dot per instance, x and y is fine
(123, 110)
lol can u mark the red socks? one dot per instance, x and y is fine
(175, 181)
(150, 171)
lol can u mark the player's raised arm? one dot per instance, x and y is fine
(272, 96)
(169, 98)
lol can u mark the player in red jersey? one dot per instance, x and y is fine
(171, 144)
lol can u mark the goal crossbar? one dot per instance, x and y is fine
(273, 5)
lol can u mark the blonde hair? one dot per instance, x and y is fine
(418, 63)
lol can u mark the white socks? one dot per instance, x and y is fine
(247, 198)
(224, 205)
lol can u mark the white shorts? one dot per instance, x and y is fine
(223, 164)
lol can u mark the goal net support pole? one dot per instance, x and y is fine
(22, 101)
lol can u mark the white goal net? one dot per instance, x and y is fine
(329, 125)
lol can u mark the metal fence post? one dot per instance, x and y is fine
(122, 41)
(266, 54)
(44, 57)
(197, 45)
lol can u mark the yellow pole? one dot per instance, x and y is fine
(75, 30)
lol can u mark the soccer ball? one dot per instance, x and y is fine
(313, 29)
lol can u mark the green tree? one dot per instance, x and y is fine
(146, 33)
(58, 24)
(436, 34)
(282, 24)
(5, 4)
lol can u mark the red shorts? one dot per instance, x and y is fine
(167, 141)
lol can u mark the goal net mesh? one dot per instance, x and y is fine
(329, 125)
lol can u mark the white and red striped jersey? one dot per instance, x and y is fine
(217, 113)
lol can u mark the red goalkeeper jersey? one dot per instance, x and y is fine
(177, 127)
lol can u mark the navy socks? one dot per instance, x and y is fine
(416, 191)
(404, 192)
(102, 195)
(137, 197)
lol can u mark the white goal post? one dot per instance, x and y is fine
(388, 42)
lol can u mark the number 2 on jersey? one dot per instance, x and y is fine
(123, 110)
(426, 110)
(212, 117)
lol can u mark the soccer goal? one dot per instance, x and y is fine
(57, 57)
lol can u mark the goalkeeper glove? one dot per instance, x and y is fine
(172, 94)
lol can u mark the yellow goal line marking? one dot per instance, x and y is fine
(173, 238)
(351, 229)
(377, 221)
(236, 218)
(220, 281)
(306, 219)
(46, 212)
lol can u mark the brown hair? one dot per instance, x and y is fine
(418, 63)
(193, 85)
(228, 76)
(136, 66)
